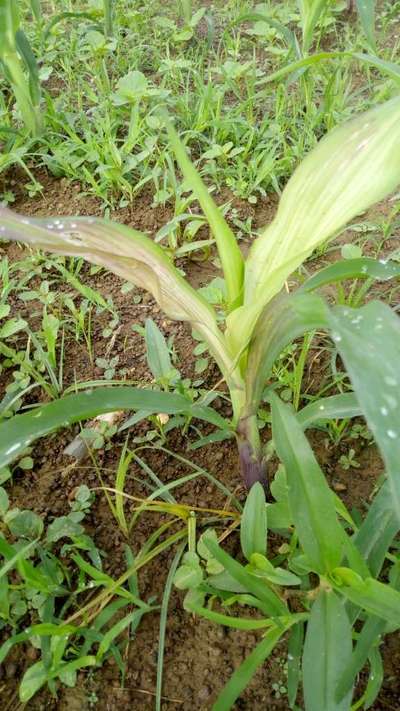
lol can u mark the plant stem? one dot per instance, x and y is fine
(252, 462)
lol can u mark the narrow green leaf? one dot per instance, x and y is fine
(387, 68)
(378, 530)
(115, 631)
(295, 646)
(360, 268)
(311, 11)
(158, 358)
(12, 557)
(366, 11)
(370, 634)
(375, 678)
(280, 322)
(20, 431)
(310, 499)
(327, 652)
(242, 676)
(362, 336)
(334, 407)
(229, 252)
(253, 526)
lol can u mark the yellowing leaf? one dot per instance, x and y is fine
(353, 167)
(132, 256)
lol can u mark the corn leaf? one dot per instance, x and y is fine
(132, 256)
(281, 321)
(332, 185)
(17, 433)
(310, 499)
(229, 252)
(387, 68)
(327, 652)
(366, 11)
(311, 11)
(368, 340)
(378, 530)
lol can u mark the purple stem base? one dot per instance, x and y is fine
(252, 467)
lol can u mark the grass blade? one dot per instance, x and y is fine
(163, 622)
(360, 268)
(229, 252)
(334, 407)
(242, 676)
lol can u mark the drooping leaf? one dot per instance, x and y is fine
(253, 527)
(368, 340)
(310, 499)
(129, 254)
(17, 433)
(261, 17)
(327, 652)
(387, 68)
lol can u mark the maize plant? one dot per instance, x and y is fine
(351, 168)
(15, 52)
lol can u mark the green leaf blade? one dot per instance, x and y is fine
(362, 336)
(310, 499)
(253, 527)
(327, 652)
(17, 433)
(229, 252)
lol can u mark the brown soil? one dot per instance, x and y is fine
(199, 656)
